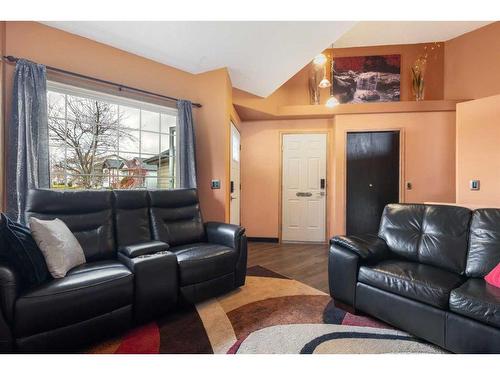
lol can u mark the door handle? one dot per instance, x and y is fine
(303, 194)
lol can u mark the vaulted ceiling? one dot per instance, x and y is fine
(259, 55)
(376, 33)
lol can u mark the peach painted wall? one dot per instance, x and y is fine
(260, 171)
(235, 117)
(57, 48)
(478, 151)
(471, 64)
(212, 142)
(428, 162)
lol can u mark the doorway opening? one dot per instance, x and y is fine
(235, 185)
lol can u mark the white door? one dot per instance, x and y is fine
(304, 187)
(234, 207)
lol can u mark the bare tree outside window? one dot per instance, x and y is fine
(97, 144)
(88, 136)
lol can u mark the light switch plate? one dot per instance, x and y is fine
(215, 184)
(474, 184)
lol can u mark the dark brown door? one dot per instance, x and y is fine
(372, 178)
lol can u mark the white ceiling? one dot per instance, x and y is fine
(259, 55)
(376, 33)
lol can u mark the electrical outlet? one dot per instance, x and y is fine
(215, 184)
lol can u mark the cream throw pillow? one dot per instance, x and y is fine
(59, 246)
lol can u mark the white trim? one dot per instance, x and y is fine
(115, 99)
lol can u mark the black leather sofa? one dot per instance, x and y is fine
(146, 252)
(423, 273)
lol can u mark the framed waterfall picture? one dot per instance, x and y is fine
(365, 79)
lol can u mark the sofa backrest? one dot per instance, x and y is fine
(176, 217)
(436, 235)
(484, 242)
(103, 221)
(88, 214)
(131, 217)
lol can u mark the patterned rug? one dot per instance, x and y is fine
(270, 314)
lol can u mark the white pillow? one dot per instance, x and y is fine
(59, 246)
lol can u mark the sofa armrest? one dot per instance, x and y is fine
(144, 248)
(156, 283)
(343, 274)
(346, 253)
(368, 247)
(232, 236)
(9, 290)
(224, 234)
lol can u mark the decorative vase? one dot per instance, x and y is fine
(418, 84)
(314, 95)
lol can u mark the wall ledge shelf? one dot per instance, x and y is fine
(321, 111)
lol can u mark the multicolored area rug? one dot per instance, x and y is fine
(270, 314)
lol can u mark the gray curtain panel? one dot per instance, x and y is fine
(186, 157)
(28, 137)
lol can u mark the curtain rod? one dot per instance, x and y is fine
(12, 59)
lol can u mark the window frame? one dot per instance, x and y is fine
(119, 101)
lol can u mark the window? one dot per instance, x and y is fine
(100, 141)
(235, 143)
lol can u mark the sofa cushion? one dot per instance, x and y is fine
(132, 217)
(59, 246)
(19, 250)
(86, 292)
(445, 231)
(484, 242)
(416, 281)
(477, 300)
(400, 227)
(200, 262)
(436, 235)
(176, 217)
(87, 213)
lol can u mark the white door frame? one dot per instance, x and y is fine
(329, 183)
(237, 186)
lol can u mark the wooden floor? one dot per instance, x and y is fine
(307, 263)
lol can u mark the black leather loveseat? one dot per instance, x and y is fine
(424, 272)
(144, 250)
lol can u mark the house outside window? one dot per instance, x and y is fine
(101, 141)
